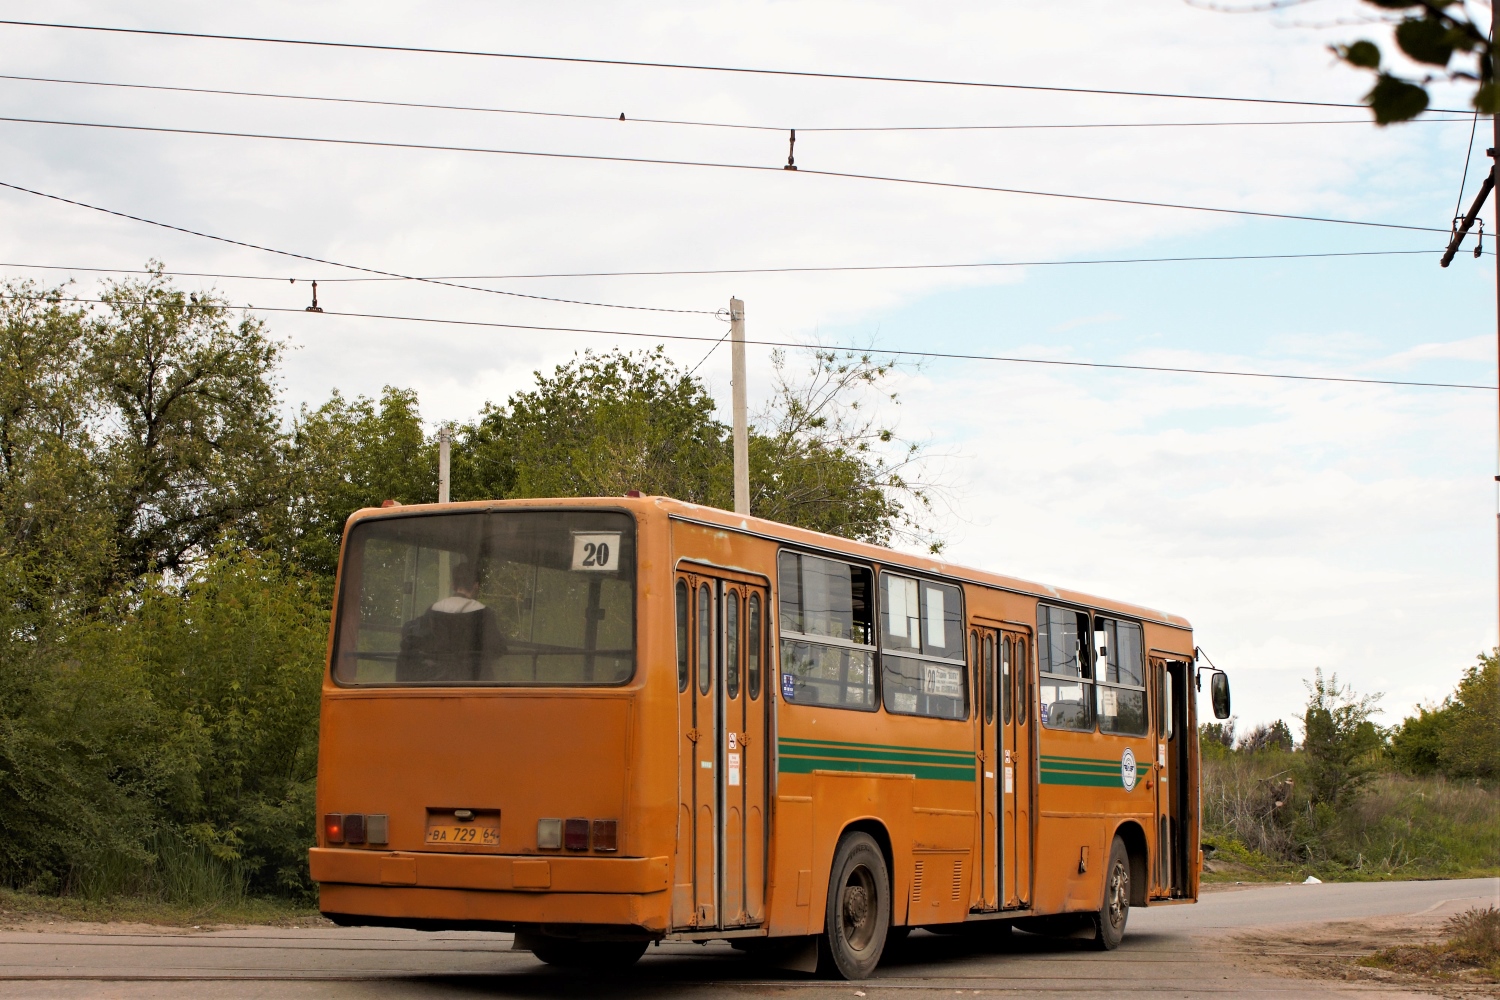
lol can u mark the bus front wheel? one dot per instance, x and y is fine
(1109, 923)
(859, 909)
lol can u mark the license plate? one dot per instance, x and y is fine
(444, 830)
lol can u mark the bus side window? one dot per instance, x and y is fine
(683, 639)
(705, 638)
(1023, 680)
(732, 644)
(989, 679)
(753, 645)
(1066, 661)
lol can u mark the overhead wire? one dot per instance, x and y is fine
(811, 269)
(353, 267)
(707, 164)
(621, 117)
(694, 67)
(895, 352)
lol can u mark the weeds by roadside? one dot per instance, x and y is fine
(29, 908)
(1471, 951)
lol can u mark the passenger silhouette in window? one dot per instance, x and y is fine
(454, 640)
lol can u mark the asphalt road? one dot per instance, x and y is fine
(1177, 951)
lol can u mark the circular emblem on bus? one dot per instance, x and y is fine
(1127, 769)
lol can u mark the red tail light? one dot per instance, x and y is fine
(576, 834)
(354, 828)
(333, 828)
(605, 834)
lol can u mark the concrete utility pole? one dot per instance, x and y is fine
(445, 439)
(741, 427)
(1489, 185)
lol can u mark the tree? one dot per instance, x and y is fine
(603, 424)
(189, 399)
(56, 546)
(820, 459)
(341, 457)
(1275, 736)
(600, 425)
(1432, 33)
(1340, 745)
(1417, 744)
(1471, 742)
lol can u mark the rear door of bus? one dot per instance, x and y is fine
(721, 830)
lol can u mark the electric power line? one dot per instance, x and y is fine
(696, 67)
(745, 270)
(651, 161)
(939, 355)
(354, 267)
(370, 102)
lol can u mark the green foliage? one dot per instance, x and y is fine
(1431, 33)
(1417, 743)
(598, 426)
(603, 424)
(190, 398)
(169, 741)
(1471, 743)
(341, 457)
(1340, 745)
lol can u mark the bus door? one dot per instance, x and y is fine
(721, 841)
(982, 653)
(1013, 650)
(1168, 875)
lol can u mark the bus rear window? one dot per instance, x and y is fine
(488, 598)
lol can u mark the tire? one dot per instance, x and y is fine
(858, 916)
(590, 956)
(1109, 922)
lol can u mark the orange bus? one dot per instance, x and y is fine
(603, 723)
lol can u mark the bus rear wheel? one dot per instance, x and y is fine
(589, 956)
(858, 915)
(1109, 923)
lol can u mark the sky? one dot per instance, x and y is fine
(1299, 525)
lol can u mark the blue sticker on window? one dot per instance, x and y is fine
(1044, 713)
(788, 686)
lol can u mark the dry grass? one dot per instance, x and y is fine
(1471, 952)
(28, 909)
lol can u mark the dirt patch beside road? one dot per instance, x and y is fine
(1339, 950)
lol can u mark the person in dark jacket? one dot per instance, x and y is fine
(454, 640)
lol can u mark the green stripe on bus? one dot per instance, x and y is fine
(1081, 778)
(795, 741)
(1078, 760)
(1112, 768)
(806, 765)
(912, 756)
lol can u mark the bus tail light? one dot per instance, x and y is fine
(354, 828)
(333, 828)
(576, 834)
(376, 829)
(605, 834)
(548, 834)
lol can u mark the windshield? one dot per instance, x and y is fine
(489, 597)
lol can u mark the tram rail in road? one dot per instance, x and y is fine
(1217, 947)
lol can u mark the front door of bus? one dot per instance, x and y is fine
(1169, 872)
(721, 842)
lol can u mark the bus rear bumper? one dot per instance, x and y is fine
(421, 889)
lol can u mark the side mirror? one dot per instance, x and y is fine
(1218, 691)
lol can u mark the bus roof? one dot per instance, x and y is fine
(775, 530)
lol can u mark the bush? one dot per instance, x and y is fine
(168, 746)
